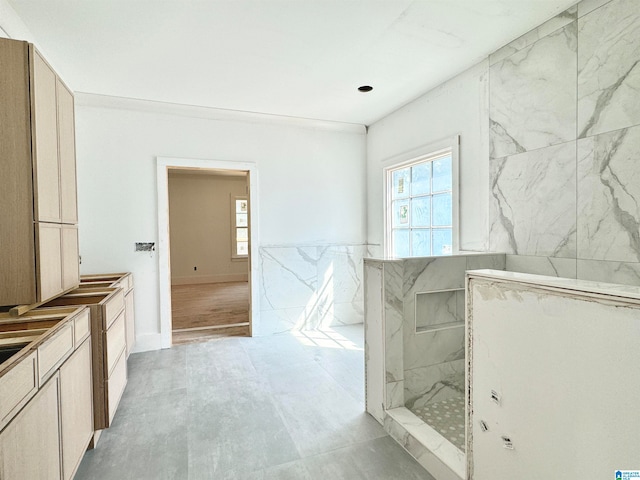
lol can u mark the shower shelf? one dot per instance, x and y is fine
(441, 326)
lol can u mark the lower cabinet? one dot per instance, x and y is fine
(76, 413)
(48, 437)
(30, 445)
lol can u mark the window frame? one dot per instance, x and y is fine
(234, 227)
(428, 152)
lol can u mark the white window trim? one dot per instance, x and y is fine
(418, 155)
(234, 249)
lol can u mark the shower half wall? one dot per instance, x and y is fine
(415, 354)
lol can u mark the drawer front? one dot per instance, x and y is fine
(54, 351)
(115, 385)
(81, 327)
(116, 341)
(17, 387)
(112, 308)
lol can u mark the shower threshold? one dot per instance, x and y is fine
(429, 447)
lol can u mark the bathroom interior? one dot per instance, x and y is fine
(548, 130)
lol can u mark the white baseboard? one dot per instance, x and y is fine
(222, 278)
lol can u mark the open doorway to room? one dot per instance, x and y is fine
(209, 253)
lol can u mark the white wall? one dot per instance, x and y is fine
(459, 106)
(310, 175)
(201, 228)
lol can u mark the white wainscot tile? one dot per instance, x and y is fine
(334, 314)
(289, 277)
(610, 272)
(431, 384)
(533, 202)
(375, 251)
(550, 266)
(532, 98)
(432, 348)
(608, 68)
(340, 273)
(609, 196)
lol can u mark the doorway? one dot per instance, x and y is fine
(202, 296)
(209, 254)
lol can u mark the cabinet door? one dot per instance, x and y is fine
(49, 260)
(70, 257)
(67, 149)
(76, 408)
(30, 445)
(44, 141)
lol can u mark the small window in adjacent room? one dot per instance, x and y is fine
(240, 228)
(422, 205)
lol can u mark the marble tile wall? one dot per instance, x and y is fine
(564, 106)
(309, 287)
(419, 366)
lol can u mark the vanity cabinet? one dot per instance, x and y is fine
(108, 337)
(30, 445)
(46, 408)
(76, 412)
(117, 280)
(38, 200)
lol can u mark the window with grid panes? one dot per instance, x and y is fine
(421, 207)
(240, 230)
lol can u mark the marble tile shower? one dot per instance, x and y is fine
(416, 353)
(564, 114)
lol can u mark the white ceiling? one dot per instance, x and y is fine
(301, 58)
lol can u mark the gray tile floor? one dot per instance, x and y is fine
(278, 407)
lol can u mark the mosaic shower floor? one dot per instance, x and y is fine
(446, 417)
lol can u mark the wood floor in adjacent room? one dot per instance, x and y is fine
(202, 312)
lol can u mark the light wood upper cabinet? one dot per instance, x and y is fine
(67, 153)
(49, 249)
(37, 150)
(70, 262)
(44, 118)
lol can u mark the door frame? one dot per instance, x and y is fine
(163, 165)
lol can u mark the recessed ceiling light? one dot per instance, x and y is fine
(365, 88)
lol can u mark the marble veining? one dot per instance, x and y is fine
(609, 68)
(534, 35)
(613, 272)
(434, 383)
(533, 95)
(394, 309)
(609, 196)
(555, 267)
(533, 202)
(310, 287)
